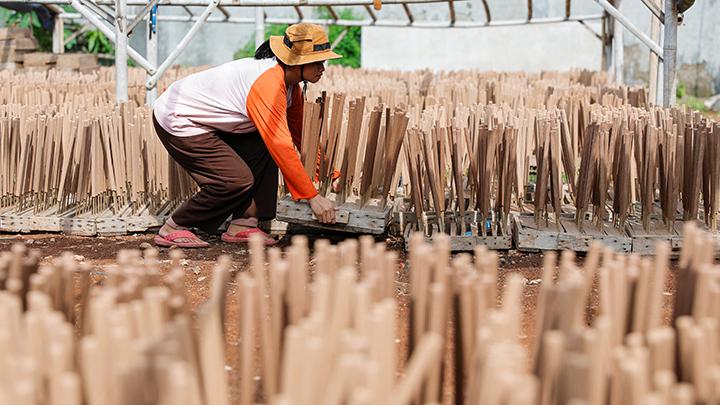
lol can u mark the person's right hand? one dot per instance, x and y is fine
(323, 209)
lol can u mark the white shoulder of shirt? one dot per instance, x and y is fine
(248, 67)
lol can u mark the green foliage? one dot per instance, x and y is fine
(680, 90)
(91, 41)
(28, 20)
(96, 42)
(248, 50)
(348, 47)
(694, 103)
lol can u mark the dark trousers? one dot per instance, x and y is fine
(235, 172)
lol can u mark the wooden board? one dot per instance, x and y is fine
(467, 243)
(371, 219)
(643, 241)
(579, 240)
(33, 59)
(529, 237)
(461, 241)
(76, 61)
(85, 226)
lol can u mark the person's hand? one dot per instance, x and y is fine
(323, 209)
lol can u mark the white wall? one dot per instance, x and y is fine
(528, 48)
(553, 46)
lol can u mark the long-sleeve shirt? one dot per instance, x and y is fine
(240, 97)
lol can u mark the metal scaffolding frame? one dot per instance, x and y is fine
(117, 25)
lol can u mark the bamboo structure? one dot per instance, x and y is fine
(330, 336)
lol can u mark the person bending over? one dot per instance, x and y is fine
(231, 127)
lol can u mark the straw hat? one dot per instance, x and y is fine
(303, 43)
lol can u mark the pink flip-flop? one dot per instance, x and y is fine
(244, 237)
(169, 240)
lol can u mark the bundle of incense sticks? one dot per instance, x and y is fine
(354, 143)
(478, 162)
(99, 159)
(56, 86)
(474, 139)
(469, 87)
(602, 334)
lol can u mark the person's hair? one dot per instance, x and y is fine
(264, 51)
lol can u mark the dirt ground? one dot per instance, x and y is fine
(101, 251)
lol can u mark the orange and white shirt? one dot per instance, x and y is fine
(239, 97)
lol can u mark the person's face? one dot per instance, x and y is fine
(312, 72)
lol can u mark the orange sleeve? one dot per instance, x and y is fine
(267, 108)
(295, 116)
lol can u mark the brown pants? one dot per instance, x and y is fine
(235, 172)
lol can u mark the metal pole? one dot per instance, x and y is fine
(361, 23)
(95, 20)
(653, 72)
(152, 53)
(244, 3)
(152, 81)
(655, 9)
(630, 26)
(669, 53)
(259, 26)
(618, 48)
(121, 67)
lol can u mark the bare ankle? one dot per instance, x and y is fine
(169, 227)
(234, 228)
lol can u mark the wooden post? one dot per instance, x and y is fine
(669, 53)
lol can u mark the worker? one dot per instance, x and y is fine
(231, 127)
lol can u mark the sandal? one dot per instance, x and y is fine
(244, 237)
(170, 240)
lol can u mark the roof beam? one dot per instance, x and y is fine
(152, 80)
(246, 3)
(370, 13)
(655, 10)
(110, 34)
(332, 12)
(451, 6)
(369, 22)
(587, 27)
(488, 18)
(139, 17)
(224, 12)
(409, 14)
(631, 27)
(98, 10)
(529, 10)
(299, 12)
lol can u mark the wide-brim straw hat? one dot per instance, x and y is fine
(302, 44)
